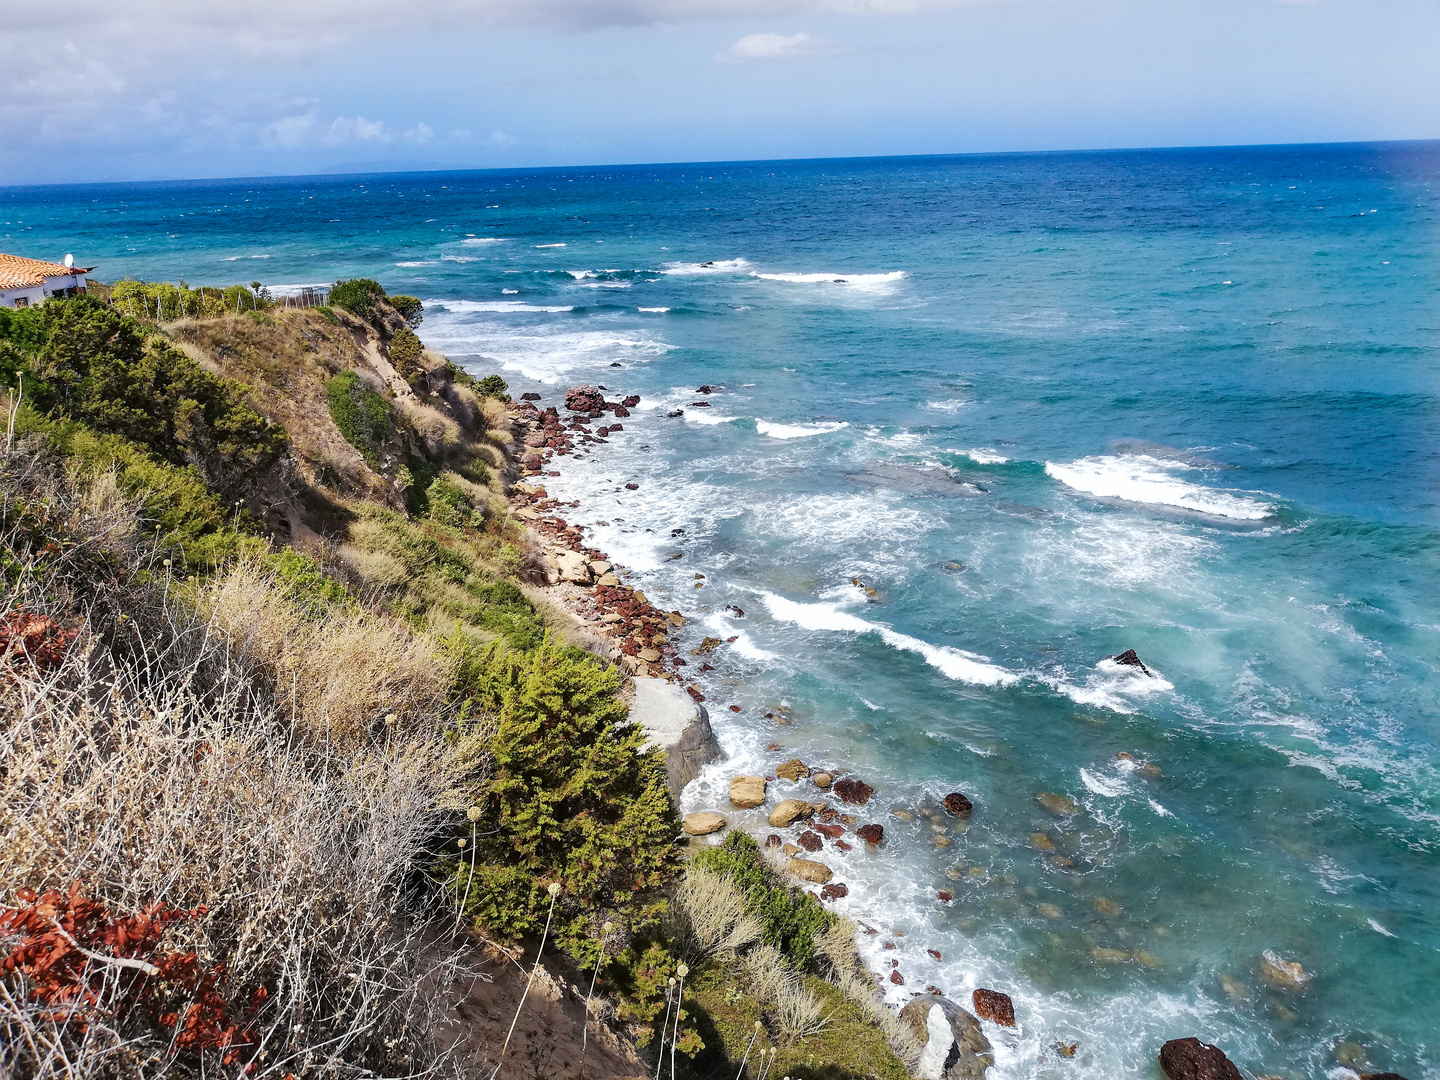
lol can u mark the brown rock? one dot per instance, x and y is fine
(788, 812)
(703, 823)
(1286, 974)
(791, 849)
(747, 791)
(1190, 1059)
(792, 770)
(934, 954)
(854, 792)
(969, 1054)
(1129, 659)
(957, 804)
(945, 895)
(871, 834)
(995, 1006)
(1041, 842)
(809, 870)
(897, 978)
(822, 780)
(1058, 805)
(810, 841)
(1109, 956)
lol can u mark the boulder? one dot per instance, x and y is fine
(584, 398)
(1286, 974)
(793, 770)
(532, 396)
(994, 1006)
(809, 870)
(822, 780)
(871, 834)
(677, 725)
(1190, 1059)
(786, 813)
(810, 841)
(854, 792)
(834, 891)
(573, 567)
(957, 804)
(1129, 659)
(955, 1047)
(747, 791)
(1058, 805)
(702, 823)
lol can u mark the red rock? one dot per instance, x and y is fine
(530, 397)
(1190, 1059)
(889, 945)
(843, 846)
(871, 834)
(993, 1005)
(774, 746)
(957, 804)
(945, 896)
(631, 401)
(934, 954)
(809, 841)
(583, 398)
(854, 792)
(603, 432)
(694, 692)
(618, 427)
(632, 487)
(834, 891)
(734, 708)
(834, 832)
(897, 978)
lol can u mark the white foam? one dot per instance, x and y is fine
(655, 310)
(484, 240)
(460, 258)
(1140, 478)
(417, 262)
(1111, 686)
(951, 662)
(1100, 785)
(497, 306)
(708, 417)
(1380, 929)
(509, 292)
(1159, 810)
(549, 245)
(862, 281)
(948, 405)
(728, 266)
(985, 455)
(797, 431)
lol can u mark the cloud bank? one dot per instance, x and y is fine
(755, 47)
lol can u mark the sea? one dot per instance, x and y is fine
(978, 424)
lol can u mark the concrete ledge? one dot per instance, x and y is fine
(678, 725)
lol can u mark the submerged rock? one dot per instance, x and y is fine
(994, 1006)
(1190, 1059)
(955, 1047)
(1058, 805)
(1286, 974)
(747, 791)
(702, 823)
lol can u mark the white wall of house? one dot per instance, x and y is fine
(37, 294)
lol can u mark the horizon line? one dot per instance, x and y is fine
(332, 173)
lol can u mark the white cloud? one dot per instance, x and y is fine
(776, 47)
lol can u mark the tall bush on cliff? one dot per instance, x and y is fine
(87, 362)
(574, 797)
(358, 296)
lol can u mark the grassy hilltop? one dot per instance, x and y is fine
(298, 770)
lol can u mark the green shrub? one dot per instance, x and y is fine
(329, 313)
(405, 349)
(362, 415)
(448, 503)
(303, 581)
(793, 919)
(493, 386)
(474, 470)
(574, 796)
(410, 309)
(359, 297)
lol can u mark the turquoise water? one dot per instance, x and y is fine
(1048, 407)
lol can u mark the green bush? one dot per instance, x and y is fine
(410, 309)
(89, 363)
(448, 503)
(405, 349)
(493, 386)
(574, 796)
(362, 415)
(359, 297)
(303, 581)
(793, 919)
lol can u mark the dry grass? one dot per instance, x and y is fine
(849, 973)
(715, 914)
(797, 1012)
(240, 760)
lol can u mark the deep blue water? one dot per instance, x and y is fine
(1049, 407)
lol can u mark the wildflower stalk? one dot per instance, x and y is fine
(665, 1027)
(748, 1045)
(474, 815)
(554, 890)
(682, 971)
(585, 1020)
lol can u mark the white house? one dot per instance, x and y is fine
(25, 282)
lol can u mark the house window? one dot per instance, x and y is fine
(22, 301)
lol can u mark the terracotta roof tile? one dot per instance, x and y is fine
(18, 273)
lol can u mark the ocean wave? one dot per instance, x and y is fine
(1140, 478)
(727, 266)
(984, 455)
(417, 262)
(550, 245)
(483, 240)
(496, 306)
(797, 431)
(1111, 686)
(708, 418)
(864, 281)
(951, 662)
(460, 258)
(654, 310)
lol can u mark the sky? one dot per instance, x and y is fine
(152, 89)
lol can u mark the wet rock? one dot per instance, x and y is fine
(747, 791)
(703, 823)
(1286, 974)
(809, 870)
(994, 1006)
(675, 413)
(1058, 805)
(854, 792)
(897, 978)
(1041, 841)
(1109, 956)
(532, 396)
(834, 832)
(810, 841)
(1107, 907)
(1234, 988)
(1050, 911)
(822, 780)
(788, 812)
(1381, 1076)
(584, 398)
(631, 401)
(902, 814)
(941, 841)
(834, 891)
(1190, 1059)
(792, 770)
(957, 804)
(955, 1047)
(871, 834)
(1129, 659)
